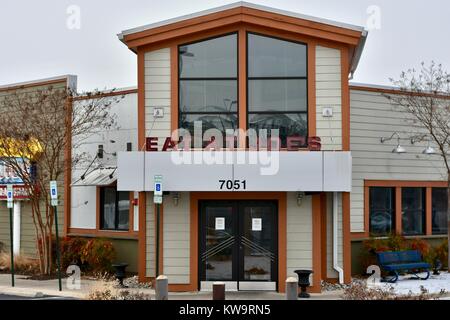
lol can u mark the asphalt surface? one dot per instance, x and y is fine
(13, 297)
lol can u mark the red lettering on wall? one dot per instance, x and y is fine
(169, 144)
(151, 144)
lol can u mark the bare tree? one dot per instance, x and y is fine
(424, 95)
(39, 129)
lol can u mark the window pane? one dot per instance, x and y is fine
(289, 125)
(269, 57)
(277, 95)
(210, 58)
(124, 210)
(109, 208)
(439, 209)
(222, 122)
(413, 211)
(382, 208)
(208, 96)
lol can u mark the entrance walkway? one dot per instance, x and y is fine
(41, 288)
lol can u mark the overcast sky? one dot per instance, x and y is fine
(36, 42)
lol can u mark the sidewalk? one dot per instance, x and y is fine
(38, 288)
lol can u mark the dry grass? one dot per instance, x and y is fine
(109, 290)
(360, 291)
(22, 264)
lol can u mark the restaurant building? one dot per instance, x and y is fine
(245, 154)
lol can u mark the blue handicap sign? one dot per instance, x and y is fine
(158, 187)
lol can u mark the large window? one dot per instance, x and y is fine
(208, 84)
(277, 86)
(382, 211)
(439, 211)
(114, 209)
(413, 211)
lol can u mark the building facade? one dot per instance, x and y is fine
(245, 154)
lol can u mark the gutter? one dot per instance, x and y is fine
(358, 53)
(335, 239)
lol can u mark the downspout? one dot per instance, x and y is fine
(335, 239)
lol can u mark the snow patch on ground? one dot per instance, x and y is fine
(405, 285)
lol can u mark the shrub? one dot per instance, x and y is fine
(94, 255)
(400, 243)
(99, 254)
(22, 264)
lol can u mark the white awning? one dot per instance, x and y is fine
(97, 177)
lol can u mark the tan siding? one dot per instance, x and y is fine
(373, 117)
(176, 247)
(299, 234)
(328, 94)
(157, 93)
(27, 232)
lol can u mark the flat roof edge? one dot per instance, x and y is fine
(71, 82)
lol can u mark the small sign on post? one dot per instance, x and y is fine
(10, 196)
(158, 190)
(54, 203)
(54, 193)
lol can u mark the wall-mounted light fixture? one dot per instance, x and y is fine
(399, 149)
(429, 150)
(176, 198)
(300, 196)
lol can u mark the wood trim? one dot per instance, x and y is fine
(397, 91)
(174, 88)
(323, 231)
(398, 184)
(107, 233)
(428, 212)
(345, 104)
(142, 254)
(103, 233)
(312, 109)
(107, 94)
(243, 15)
(141, 100)
(282, 230)
(405, 183)
(34, 84)
(398, 210)
(316, 243)
(347, 244)
(68, 169)
(242, 83)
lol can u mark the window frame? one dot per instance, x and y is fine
(422, 211)
(392, 210)
(116, 214)
(399, 185)
(179, 79)
(446, 192)
(248, 79)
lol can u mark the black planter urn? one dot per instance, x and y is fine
(120, 272)
(303, 282)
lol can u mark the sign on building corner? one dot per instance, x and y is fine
(158, 190)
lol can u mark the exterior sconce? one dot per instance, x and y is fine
(399, 149)
(429, 150)
(176, 198)
(300, 196)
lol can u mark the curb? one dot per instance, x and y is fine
(33, 293)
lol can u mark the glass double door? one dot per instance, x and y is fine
(238, 244)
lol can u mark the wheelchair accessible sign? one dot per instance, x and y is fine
(158, 190)
(54, 193)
